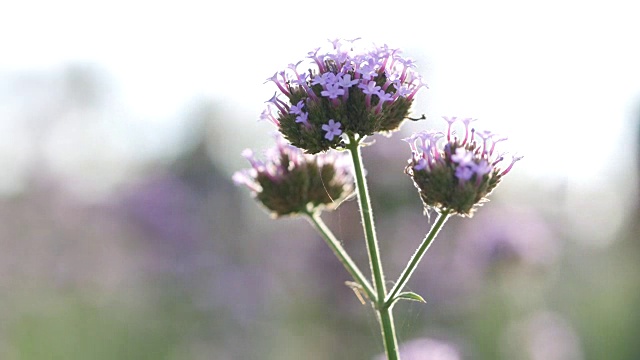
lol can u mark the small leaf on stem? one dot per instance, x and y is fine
(408, 296)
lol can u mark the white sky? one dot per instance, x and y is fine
(561, 78)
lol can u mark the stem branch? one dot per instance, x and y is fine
(415, 259)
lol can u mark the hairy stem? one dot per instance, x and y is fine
(342, 255)
(385, 314)
(415, 259)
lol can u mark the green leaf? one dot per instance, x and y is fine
(408, 296)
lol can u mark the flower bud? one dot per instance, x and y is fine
(290, 182)
(458, 176)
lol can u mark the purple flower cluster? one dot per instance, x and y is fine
(289, 181)
(344, 91)
(459, 174)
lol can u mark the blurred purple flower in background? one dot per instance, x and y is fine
(543, 335)
(507, 236)
(500, 240)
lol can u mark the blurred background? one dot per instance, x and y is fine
(123, 236)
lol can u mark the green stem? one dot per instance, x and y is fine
(384, 313)
(367, 218)
(388, 333)
(342, 255)
(413, 263)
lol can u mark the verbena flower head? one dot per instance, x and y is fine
(456, 174)
(342, 92)
(290, 182)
